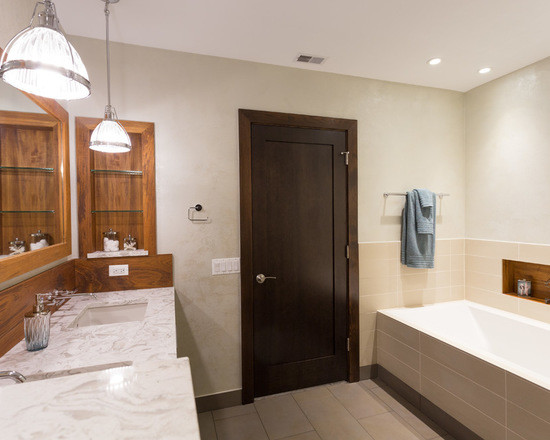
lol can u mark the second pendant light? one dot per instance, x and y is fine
(110, 136)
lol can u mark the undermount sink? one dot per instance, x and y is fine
(110, 314)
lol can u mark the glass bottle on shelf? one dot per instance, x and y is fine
(17, 246)
(130, 243)
(110, 241)
(38, 241)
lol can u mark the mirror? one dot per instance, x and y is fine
(34, 182)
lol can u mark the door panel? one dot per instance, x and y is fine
(299, 230)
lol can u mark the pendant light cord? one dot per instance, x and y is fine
(107, 13)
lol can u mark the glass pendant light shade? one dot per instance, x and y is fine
(40, 60)
(109, 136)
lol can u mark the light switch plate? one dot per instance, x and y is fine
(223, 266)
(118, 270)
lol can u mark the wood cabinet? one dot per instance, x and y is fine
(116, 190)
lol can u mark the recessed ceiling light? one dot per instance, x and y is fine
(485, 70)
(434, 61)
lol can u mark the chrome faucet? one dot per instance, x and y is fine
(13, 375)
(56, 295)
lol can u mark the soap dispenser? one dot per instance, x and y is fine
(37, 326)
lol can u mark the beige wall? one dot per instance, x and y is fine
(507, 183)
(193, 101)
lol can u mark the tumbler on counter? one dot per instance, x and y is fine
(110, 241)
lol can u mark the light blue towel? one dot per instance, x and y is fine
(418, 229)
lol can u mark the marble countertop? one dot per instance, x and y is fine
(151, 400)
(74, 350)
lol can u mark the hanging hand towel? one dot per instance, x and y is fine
(418, 229)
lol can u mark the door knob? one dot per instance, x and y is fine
(260, 278)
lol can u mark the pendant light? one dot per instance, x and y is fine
(109, 136)
(40, 60)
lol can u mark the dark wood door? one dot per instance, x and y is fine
(299, 231)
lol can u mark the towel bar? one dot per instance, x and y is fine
(386, 195)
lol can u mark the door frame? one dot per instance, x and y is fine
(246, 119)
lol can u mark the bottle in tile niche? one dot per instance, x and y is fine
(38, 240)
(130, 243)
(110, 241)
(37, 326)
(17, 246)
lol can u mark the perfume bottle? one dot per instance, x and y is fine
(37, 326)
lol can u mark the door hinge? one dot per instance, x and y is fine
(345, 153)
(348, 344)
(347, 251)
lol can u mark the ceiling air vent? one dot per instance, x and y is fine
(310, 59)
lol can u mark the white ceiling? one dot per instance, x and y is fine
(382, 39)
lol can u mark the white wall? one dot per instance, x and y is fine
(508, 157)
(408, 137)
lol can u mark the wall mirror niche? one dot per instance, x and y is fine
(34, 182)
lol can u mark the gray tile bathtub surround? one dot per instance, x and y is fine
(490, 401)
(472, 393)
(526, 424)
(401, 351)
(481, 424)
(528, 396)
(399, 369)
(403, 333)
(481, 372)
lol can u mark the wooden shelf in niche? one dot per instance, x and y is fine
(116, 190)
(538, 274)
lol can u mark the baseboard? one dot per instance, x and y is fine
(218, 401)
(368, 372)
(443, 419)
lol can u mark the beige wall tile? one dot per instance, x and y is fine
(534, 253)
(528, 396)
(534, 310)
(457, 246)
(458, 262)
(474, 419)
(367, 348)
(471, 392)
(492, 266)
(412, 298)
(378, 285)
(457, 293)
(408, 375)
(367, 321)
(372, 303)
(442, 247)
(442, 263)
(526, 424)
(493, 249)
(481, 372)
(492, 283)
(403, 352)
(458, 278)
(380, 251)
(403, 333)
(378, 268)
(425, 280)
(492, 299)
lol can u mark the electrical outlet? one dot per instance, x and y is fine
(223, 266)
(118, 270)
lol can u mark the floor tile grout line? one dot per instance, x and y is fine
(305, 415)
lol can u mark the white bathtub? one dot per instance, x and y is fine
(487, 369)
(514, 343)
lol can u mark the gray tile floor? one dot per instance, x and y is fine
(365, 410)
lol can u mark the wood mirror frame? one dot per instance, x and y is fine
(15, 265)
